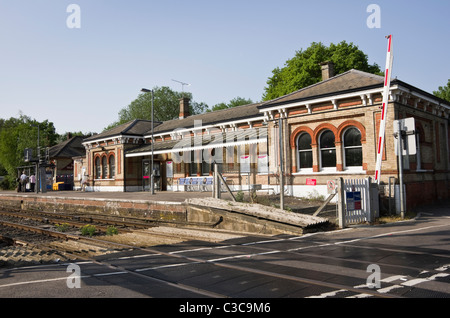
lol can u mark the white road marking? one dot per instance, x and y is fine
(328, 294)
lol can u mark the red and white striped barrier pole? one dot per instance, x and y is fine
(387, 84)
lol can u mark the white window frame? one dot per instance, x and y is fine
(297, 150)
(350, 168)
(321, 168)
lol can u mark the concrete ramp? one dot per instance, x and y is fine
(252, 217)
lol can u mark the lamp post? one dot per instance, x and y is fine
(279, 124)
(152, 184)
(38, 185)
(280, 136)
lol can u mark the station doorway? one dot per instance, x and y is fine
(146, 175)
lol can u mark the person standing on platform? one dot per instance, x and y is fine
(23, 182)
(32, 182)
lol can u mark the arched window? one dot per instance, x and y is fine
(98, 168)
(352, 148)
(112, 166)
(304, 157)
(327, 150)
(104, 168)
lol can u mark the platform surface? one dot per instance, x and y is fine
(163, 196)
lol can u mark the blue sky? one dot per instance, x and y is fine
(80, 78)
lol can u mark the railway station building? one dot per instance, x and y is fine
(321, 132)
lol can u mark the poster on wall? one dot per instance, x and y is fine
(353, 199)
(245, 164)
(263, 164)
(169, 169)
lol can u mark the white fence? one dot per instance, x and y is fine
(361, 200)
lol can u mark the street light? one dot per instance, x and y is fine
(279, 124)
(280, 147)
(38, 187)
(152, 184)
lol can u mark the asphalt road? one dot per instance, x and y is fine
(406, 259)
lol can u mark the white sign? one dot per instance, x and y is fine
(169, 169)
(28, 153)
(408, 126)
(263, 164)
(245, 164)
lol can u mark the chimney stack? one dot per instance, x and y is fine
(327, 70)
(184, 107)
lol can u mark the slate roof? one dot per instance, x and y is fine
(206, 141)
(349, 81)
(210, 118)
(136, 127)
(68, 148)
(140, 127)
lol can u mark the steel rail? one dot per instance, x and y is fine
(196, 260)
(103, 263)
(112, 219)
(39, 230)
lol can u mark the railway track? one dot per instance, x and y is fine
(88, 254)
(51, 246)
(42, 230)
(218, 257)
(77, 219)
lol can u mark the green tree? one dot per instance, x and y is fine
(238, 101)
(16, 134)
(166, 106)
(443, 92)
(303, 69)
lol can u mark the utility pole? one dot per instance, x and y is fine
(152, 182)
(341, 202)
(152, 178)
(400, 167)
(280, 129)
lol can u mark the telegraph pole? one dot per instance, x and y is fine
(400, 168)
(280, 133)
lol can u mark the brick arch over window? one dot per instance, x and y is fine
(97, 155)
(351, 123)
(104, 156)
(97, 166)
(322, 127)
(110, 154)
(104, 164)
(111, 161)
(297, 132)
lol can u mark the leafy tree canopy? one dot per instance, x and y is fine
(303, 69)
(443, 92)
(16, 134)
(166, 106)
(238, 101)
